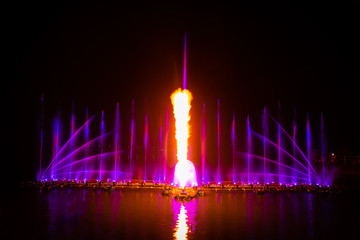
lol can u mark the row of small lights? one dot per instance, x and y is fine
(195, 185)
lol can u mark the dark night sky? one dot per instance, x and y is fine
(248, 56)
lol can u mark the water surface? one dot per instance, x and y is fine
(146, 214)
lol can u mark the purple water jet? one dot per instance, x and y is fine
(322, 133)
(291, 139)
(72, 142)
(166, 141)
(296, 145)
(233, 148)
(274, 162)
(286, 153)
(308, 144)
(146, 133)
(116, 142)
(77, 151)
(64, 147)
(184, 67)
(87, 159)
(90, 159)
(86, 140)
(218, 141)
(203, 144)
(248, 147)
(102, 131)
(160, 149)
(56, 136)
(279, 144)
(294, 140)
(132, 135)
(266, 133)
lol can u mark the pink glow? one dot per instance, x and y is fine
(166, 142)
(203, 141)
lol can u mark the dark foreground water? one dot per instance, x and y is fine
(146, 214)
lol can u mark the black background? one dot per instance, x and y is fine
(247, 55)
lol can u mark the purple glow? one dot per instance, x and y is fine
(160, 148)
(77, 151)
(291, 139)
(299, 171)
(248, 147)
(203, 142)
(218, 141)
(184, 69)
(308, 144)
(279, 144)
(86, 139)
(132, 129)
(166, 141)
(233, 148)
(273, 161)
(322, 146)
(94, 171)
(117, 142)
(146, 132)
(272, 175)
(284, 151)
(265, 133)
(41, 150)
(294, 138)
(102, 131)
(67, 143)
(72, 130)
(56, 133)
(87, 159)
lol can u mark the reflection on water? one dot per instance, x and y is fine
(185, 218)
(146, 214)
(181, 228)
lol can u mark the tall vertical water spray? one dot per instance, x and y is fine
(185, 64)
(203, 144)
(166, 143)
(233, 148)
(116, 143)
(273, 156)
(160, 149)
(265, 133)
(146, 133)
(279, 144)
(56, 136)
(185, 174)
(102, 131)
(218, 142)
(322, 133)
(308, 144)
(86, 139)
(248, 148)
(72, 142)
(132, 129)
(294, 145)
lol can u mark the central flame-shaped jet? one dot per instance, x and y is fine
(185, 174)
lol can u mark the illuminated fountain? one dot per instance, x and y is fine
(270, 155)
(276, 161)
(185, 173)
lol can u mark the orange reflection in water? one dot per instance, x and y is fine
(181, 228)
